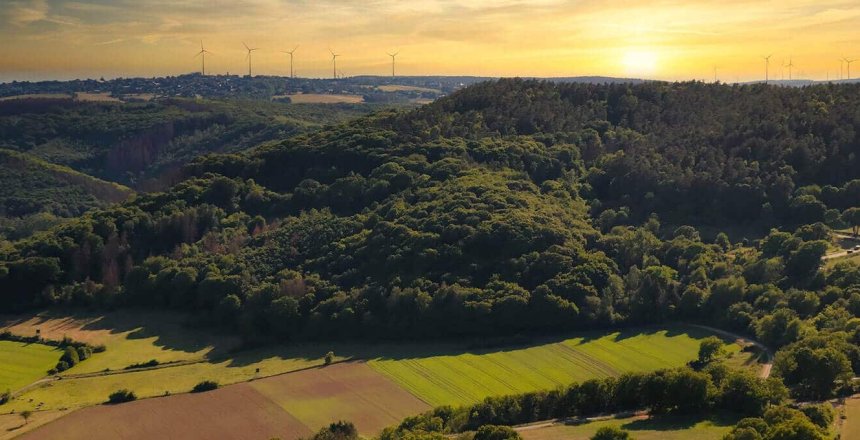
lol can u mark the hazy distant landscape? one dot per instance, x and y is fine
(434, 220)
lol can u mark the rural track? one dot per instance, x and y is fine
(766, 367)
(843, 252)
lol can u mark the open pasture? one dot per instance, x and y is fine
(640, 428)
(319, 98)
(130, 337)
(22, 363)
(467, 377)
(95, 97)
(399, 88)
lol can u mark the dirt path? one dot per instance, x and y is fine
(766, 367)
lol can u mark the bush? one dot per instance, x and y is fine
(5, 397)
(329, 358)
(493, 432)
(70, 357)
(148, 364)
(206, 385)
(611, 433)
(121, 396)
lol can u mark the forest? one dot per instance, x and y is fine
(509, 207)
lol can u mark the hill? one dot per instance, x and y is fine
(510, 207)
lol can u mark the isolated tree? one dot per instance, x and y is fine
(851, 216)
(710, 348)
(26, 415)
(329, 358)
(611, 433)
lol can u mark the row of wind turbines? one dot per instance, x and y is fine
(842, 62)
(250, 50)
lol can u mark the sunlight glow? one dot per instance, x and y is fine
(639, 62)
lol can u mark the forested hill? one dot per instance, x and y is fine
(509, 206)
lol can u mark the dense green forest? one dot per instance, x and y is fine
(509, 207)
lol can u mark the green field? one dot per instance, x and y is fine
(437, 373)
(465, 378)
(22, 364)
(641, 428)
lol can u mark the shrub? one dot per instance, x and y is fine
(329, 358)
(62, 366)
(611, 433)
(5, 396)
(121, 396)
(493, 432)
(70, 357)
(206, 385)
(148, 364)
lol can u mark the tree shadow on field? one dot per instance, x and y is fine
(679, 422)
(171, 331)
(397, 351)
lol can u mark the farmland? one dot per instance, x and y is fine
(23, 363)
(285, 406)
(316, 98)
(849, 426)
(640, 427)
(463, 378)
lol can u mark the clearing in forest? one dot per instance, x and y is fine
(23, 363)
(640, 428)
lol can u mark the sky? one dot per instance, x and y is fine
(669, 39)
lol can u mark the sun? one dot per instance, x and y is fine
(640, 62)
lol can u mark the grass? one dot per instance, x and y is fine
(315, 98)
(465, 378)
(130, 337)
(848, 419)
(436, 373)
(642, 428)
(22, 364)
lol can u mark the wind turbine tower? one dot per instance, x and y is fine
(848, 64)
(202, 54)
(790, 65)
(290, 53)
(767, 68)
(393, 56)
(249, 57)
(334, 63)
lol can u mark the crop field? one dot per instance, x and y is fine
(464, 378)
(130, 337)
(95, 97)
(347, 391)
(317, 98)
(238, 411)
(37, 96)
(398, 88)
(22, 364)
(640, 428)
(286, 406)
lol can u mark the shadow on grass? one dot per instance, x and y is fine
(679, 422)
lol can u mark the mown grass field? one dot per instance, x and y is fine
(468, 377)
(130, 337)
(22, 364)
(641, 428)
(848, 422)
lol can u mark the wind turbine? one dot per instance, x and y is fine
(393, 55)
(848, 63)
(202, 53)
(249, 57)
(334, 63)
(790, 65)
(290, 52)
(767, 68)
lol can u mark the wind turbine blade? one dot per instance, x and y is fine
(246, 46)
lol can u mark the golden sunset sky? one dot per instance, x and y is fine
(672, 40)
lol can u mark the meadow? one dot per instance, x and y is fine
(22, 363)
(640, 428)
(316, 98)
(467, 377)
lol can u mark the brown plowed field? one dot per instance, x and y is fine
(288, 406)
(348, 391)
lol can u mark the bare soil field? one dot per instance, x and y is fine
(287, 406)
(347, 391)
(236, 412)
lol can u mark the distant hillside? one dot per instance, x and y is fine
(139, 144)
(29, 184)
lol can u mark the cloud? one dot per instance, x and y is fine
(23, 12)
